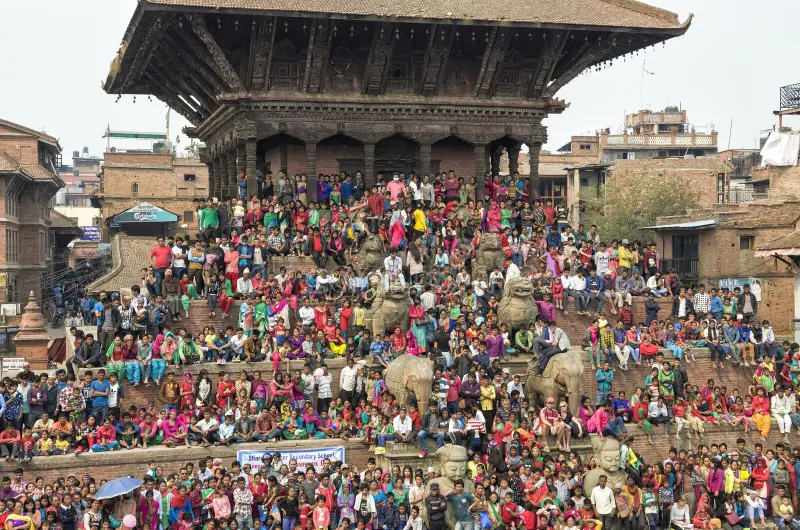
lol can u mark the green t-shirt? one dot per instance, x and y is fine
(461, 502)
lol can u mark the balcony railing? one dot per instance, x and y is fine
(742, 196)
(658, 140)
(683, 266)
(654, 118)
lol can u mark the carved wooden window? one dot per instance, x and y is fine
(400, 79)
(341, 70)
(285, 69)
(454, 82)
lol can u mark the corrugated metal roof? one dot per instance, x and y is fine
(683, 226)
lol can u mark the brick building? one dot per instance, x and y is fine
(160, 179)
(719, 243)
(28, 182)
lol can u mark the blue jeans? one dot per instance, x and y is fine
(100, 413)
(614, 427)
(110, 446)
(159, 279)
(288, 523)
(383, 438)
(423, 435)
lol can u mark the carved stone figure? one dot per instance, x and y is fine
(451, 465)
(389, 309)
(410, 376)
(490, 254)
(517, 308)
(372, 253)
(607, 455)
(562, 376)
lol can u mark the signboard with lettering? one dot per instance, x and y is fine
(732, 283)
(91, 233)
(12, 365)
(145, 213)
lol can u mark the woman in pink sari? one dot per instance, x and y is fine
(493, 218)
(397, 234)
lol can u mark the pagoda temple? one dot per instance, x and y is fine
(323, 86)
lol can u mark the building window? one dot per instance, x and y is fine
(747, 243)
(188, 216)
(12, 201)
(134, 188)
(189, 177)
(12, 245)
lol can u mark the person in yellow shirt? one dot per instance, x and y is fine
(420, 223)
(487, 400)
(625, 256)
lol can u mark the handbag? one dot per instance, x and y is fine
(732, 518)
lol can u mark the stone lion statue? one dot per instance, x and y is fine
(451, 465)
(607, 455)
(372, 253)
(390, 308)
(490, 254)
(517, 308)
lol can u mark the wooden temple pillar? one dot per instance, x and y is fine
(425, 158)
(233, 188)
(220, 170)
(513, 159)
(250, 165)
(212, 177)
(538, 139)
(495, 154)
(369, 165)
(241, 166)
(311, 171)
(480, 170)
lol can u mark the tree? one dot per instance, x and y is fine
(624, 207)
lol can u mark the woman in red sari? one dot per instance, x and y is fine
(493, 218)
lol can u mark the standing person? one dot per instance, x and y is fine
(604, 377)
(98, 391)
(437, 508)
(243, 504)
(747, 304)
(161, 260)
(602, 498)
(209, 221)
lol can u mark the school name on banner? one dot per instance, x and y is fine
(304, 458)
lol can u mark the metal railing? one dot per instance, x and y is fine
(743, 195)
(683, 266)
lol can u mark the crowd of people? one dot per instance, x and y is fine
(430, 230)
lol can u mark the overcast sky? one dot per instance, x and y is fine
(729, 66)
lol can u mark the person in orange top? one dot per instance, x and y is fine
(761, 409)
(226, 390)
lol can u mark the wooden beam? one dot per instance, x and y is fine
(379, 60)
(495, 54)
(440, 42)
(262, 44)
(181, 52)
(317, 55)
(180, 95)
(227, 72)
(551, 53)
(174, 74)
(148, 46)
(587, 55)
(166, 95)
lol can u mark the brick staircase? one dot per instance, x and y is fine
(129, 255)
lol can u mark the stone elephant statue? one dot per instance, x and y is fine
(408, 376)
(563, 376)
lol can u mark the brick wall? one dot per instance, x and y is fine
(104, 466)
(458, 157)
(699, 173)
(328, 156)
(296, 160)
(24, 151)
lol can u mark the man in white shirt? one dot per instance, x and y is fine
(394, 268)
(403, 427)
(306, 313)
(602, 498)
(779, 406)
(347, 381)
(515, 384)
(428, 299)
(602, 259)
(178, 258)
(244, 285)
(578, 292)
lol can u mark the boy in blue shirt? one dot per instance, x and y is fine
(716, 305)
